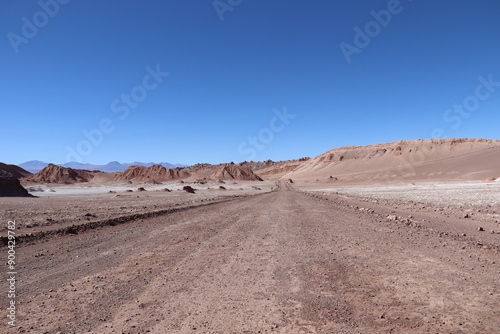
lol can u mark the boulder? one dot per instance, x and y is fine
(10, 186)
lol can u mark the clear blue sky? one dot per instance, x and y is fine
(73, 72)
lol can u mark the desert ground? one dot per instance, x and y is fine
(297, 259)
(301, 251)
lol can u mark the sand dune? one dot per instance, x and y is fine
(279, 169)
(270, 170)
(423, 159)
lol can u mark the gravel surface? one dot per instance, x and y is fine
(456, 193)
(280, 262)
(63, 205)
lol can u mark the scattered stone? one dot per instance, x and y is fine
(480, 228)
(189, 189)
(466, 215)
(10, 186)
(35, 189)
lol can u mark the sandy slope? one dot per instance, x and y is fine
(280, 262)
(412, 160)
(425, 159)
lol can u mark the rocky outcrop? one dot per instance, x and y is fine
(17, 171)
(234, 172)
(155, 173)
(57, 174)
(10, 186)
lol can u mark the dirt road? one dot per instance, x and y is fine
(280, 262)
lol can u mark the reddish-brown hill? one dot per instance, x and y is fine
(273, 169)
(57, 174)
(150, 174)
(17, 171)
(234, 172)
(228, 171)
(10, 185)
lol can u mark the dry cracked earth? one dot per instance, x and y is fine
(279, 262)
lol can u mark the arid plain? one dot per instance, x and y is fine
(399, 237)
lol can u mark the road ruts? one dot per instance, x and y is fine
(281, 262)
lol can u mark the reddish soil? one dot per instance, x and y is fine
(278, 262)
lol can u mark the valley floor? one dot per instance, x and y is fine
(291, 260)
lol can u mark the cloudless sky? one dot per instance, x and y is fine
(228, 77)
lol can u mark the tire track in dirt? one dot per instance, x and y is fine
(281, 262)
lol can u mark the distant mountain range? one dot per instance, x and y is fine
(113, 166)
